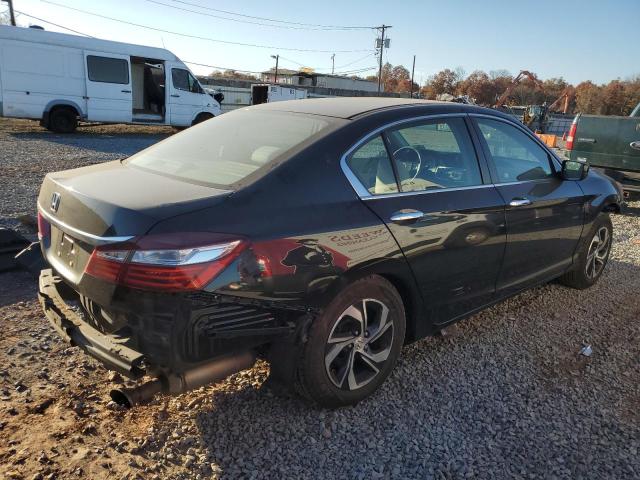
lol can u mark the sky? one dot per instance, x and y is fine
(576, 40)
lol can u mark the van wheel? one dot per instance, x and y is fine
(63, 120)
(593, 255)
(353, 345)
(201, 117)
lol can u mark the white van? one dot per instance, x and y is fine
(62, 79)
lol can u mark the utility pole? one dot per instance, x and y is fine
(383, 28)
(11, 14)
(333, 63)
(275, 77)
(413, 69)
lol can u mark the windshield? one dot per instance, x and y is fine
(228, 148)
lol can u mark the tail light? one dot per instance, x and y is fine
(572, 135)
(169, 262)
(44, 227)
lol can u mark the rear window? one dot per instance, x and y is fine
(229, 148)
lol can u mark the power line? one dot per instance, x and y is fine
(198, 37)
(336, 27)
(290, 27)
(51, 23)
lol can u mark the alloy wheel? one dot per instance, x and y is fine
(359, 344)
(597, 253)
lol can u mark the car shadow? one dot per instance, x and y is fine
(631, 211)
(124, 144)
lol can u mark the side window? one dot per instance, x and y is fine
(371, 164)
(434, 154)
(107, 69)
(515, 156)
(183, 80)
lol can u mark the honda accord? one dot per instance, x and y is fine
(321, 235)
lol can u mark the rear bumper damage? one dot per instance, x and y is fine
(207, 339)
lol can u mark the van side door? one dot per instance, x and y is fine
(186, 96)
(108, 80)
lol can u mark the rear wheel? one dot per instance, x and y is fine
(592, 256)
(353, 346)
(63, 120)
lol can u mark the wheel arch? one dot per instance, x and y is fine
(59, 103)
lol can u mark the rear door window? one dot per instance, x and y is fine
(107, 69)
(434, 154)
(371, 164)
(516, 157)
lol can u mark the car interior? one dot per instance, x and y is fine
(148, 89)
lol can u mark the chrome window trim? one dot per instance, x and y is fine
(357, 186)
(79, 234)
(556, 162)
(422, 192)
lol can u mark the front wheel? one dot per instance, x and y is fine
(353, 346)
(593, 255)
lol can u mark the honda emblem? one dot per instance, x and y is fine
(55, 201)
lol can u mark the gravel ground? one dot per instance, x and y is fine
(504, 394)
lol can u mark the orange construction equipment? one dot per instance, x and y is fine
(566, 96)
(514, 83)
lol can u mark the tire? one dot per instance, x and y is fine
(338, 373)
(201, 117)
(593, 255)
(63, 120)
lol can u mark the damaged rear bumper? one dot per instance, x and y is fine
(114, 354)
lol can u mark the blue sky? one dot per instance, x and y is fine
(577, 40)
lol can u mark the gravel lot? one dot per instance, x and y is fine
(504, 394)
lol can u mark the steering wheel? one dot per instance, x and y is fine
(402, 155)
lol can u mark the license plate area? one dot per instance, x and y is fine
(66, 250)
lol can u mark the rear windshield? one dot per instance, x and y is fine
(228, 148)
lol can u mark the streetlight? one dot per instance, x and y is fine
(275, 77)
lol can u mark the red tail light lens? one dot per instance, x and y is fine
(166, 262)
(571, 137)
(44, 227)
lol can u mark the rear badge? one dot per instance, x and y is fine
(55, 201)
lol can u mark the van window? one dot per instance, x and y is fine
(228, 148)
(107, 69)
(183, 80)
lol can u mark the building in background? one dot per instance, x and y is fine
(302, 78)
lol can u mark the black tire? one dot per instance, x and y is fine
(335, 373)
(593, 254)
(63, 120)
(201, 117)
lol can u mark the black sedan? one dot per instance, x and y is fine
(322, 235)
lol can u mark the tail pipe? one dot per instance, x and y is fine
(210, 372)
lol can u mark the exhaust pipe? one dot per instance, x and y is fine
(210, 372)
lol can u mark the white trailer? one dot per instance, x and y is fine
(62, 79)
(265, 93)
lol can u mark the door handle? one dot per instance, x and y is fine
(125, 91)
(635, 145)
(175, 96)
(409, 215)
(519, 202)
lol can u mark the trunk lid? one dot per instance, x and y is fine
(106, 203)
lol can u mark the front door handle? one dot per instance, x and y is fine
(125, 91)
(175, 96)
(635, 145)
(519, 202)
(407, 215)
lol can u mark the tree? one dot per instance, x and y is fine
(445, 81)
(632, 94)
(613, 98)
(479, 87)
(5, 18)
(233, 74)
(588, 97)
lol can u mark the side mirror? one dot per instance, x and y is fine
(574, 170)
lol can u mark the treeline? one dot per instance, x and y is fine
(617, 97)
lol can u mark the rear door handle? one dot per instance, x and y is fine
(125, 91)
(519, 202)
(635, 145)
(405, 216)
(175, 96)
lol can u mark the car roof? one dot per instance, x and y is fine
(351, 107)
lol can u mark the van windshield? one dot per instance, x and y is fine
(228, 148)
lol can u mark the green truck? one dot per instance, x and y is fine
(611, 143)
